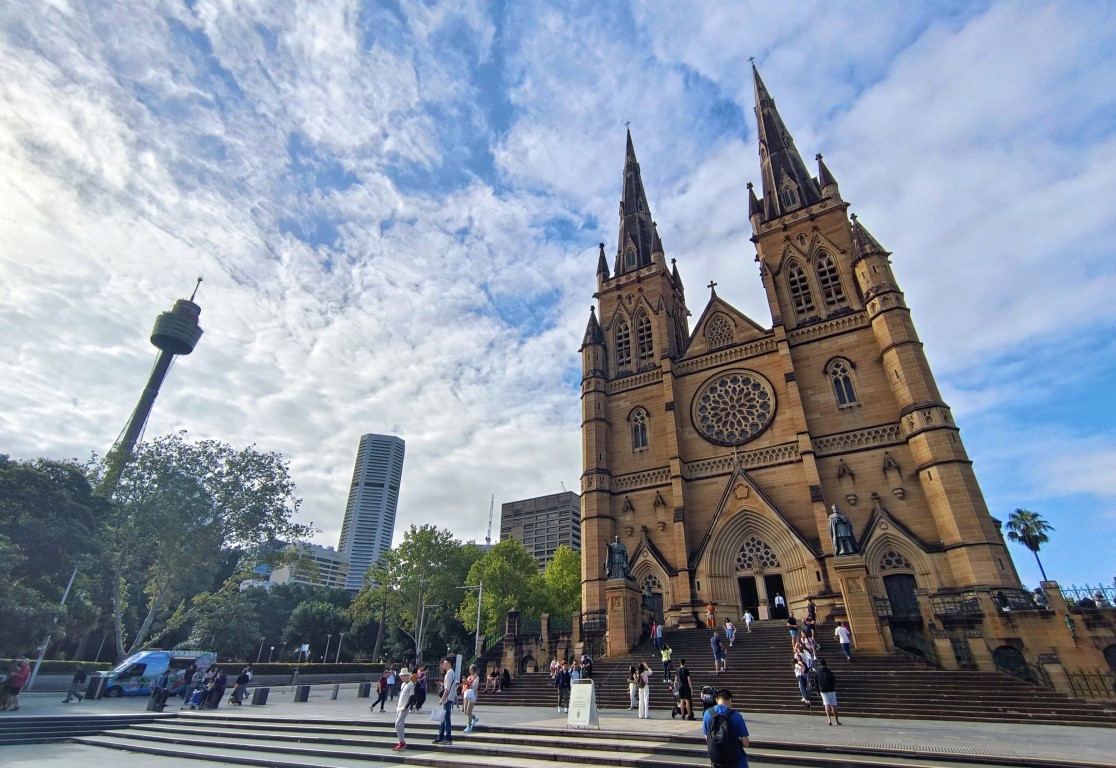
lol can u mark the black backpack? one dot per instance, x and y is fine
(723, 743)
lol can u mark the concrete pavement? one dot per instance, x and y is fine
(1090, 744)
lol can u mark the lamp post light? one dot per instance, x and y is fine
(479, 586)
(325, 656)
(260, 654)
(340, 639)
(270, 653)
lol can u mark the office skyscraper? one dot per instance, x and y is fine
(373, 498)
(543, 523)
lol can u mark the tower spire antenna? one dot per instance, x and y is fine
(196, 286)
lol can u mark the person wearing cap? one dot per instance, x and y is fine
(736, 724)
(402, 707)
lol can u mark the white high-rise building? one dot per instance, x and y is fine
(373, 499)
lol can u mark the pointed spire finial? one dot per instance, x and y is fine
(196, 286)
(787, 185)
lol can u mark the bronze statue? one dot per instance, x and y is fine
(841, 532)
(616, 564)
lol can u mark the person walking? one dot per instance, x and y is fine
(381, 692)
(748, 619)
(844, 637)
(654, 637)
(17, 679)
(827, 687)
(659, 635)
(562, 683)
(644, 691)
(800, 670)
(730, 632)
(792, 627)
(666, 654)
(726, 733)
(446, 701)
(633, 687)
(76, 684)
(719, 662)
(392, 682)
(472, 685)
(402, 707)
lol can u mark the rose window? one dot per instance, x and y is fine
(755, 554)
(734, 408)
(652, 581)
(894, 561)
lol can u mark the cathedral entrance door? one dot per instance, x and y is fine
(657, 606)
(749, 595)
(773, 584)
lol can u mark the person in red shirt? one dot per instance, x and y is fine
(21, 671)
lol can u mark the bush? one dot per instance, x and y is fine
(303, 669)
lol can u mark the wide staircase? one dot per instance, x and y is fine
(761, 676)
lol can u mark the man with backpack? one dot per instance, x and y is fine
(726, 734)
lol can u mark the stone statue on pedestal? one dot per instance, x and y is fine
(616, 563)
(841, 532)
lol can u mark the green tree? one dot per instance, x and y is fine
(179, 508)
(561, 582)
(1029, 529)
(311, 622)
(227, 626)
(428, 568)
(25, 615)
(511, 579)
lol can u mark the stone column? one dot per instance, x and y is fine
(624, 616)
(852, 578)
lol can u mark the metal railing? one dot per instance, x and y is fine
(594, 622)
(912, 644)
(1090, 597)
(1018, 667)
(561, 622)
(1011, 599)
(1093, 685)
(958, 604)
(528, 626)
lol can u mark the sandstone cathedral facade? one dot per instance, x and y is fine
(716, 451)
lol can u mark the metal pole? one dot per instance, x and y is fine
(340, 639)
(476, 640)
(260, 654)
(325, 656)
(270, 653)
(43, 649)
(100, 648)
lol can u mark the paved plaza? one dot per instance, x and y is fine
(996, 740)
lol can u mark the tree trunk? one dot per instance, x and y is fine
(380, 631)
(118, 612)
(1041, 569)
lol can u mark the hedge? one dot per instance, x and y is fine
(60, 666)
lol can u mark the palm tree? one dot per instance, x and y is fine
(1029, 529)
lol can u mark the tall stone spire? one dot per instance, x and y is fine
(638, 238)
(787, 185)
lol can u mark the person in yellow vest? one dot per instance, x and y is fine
(666, 652)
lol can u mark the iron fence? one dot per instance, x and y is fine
(912, 644)
(1011, 599)
(561, 623)
(528, 626)
(959, 604)
(594, 622)
(1090, 597)
(1011, 662)
(1093, 685)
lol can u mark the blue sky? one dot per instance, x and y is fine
(396, 207)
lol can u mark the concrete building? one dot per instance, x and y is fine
(543, 523)
(320, 567)
(373, 498)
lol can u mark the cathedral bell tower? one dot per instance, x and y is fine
(640, 325)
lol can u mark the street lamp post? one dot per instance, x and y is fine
(421, 626)
(260, 654)
(325, 656)
(340, 639)
(43, 649)
(270, 654)
(479, 586)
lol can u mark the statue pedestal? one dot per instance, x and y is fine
(852, 576)
(624, 616)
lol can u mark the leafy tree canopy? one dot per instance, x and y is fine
(511, 580)
(25, 615)
(562, 582)
(311, 622)
(229, 627)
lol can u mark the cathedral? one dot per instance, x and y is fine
(722, 450)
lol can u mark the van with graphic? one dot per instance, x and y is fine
(136, 675)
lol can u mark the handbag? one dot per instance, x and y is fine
(437, 715)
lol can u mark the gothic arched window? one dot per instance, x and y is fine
(718, 332)
(623, 343)
(638, 419)
(643, 338)
(839, 371)
(800, 291)
(629, 259)
(830, 282)
(790, 197)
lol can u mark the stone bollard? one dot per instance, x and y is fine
(364, 691)
(302, 693)
(336, 690)
(259, 695)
